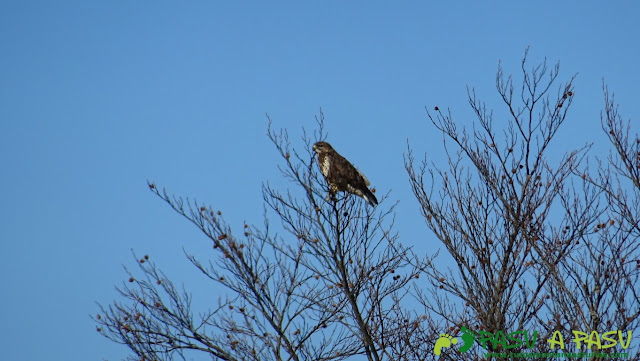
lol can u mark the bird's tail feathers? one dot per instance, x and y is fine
(370, 198)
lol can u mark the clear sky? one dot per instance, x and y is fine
(96, 97)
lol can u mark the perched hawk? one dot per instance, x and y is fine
(342, 175)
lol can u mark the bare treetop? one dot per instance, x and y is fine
(541, 246)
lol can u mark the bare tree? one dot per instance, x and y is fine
(536, 248)
(535, 244)
(329, 287)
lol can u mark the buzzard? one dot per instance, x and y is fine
(342, 175)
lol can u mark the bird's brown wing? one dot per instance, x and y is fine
(343, 174)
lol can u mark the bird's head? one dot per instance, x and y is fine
(322, 147)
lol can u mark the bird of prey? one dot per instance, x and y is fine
(342, 175)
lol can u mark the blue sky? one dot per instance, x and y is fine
(96, 97)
